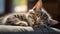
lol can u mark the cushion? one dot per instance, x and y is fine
(6, 29)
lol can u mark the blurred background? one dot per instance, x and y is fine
(51, 6)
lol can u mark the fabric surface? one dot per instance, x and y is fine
(4, 29)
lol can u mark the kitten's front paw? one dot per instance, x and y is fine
(22, 23)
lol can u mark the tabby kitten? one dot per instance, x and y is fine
(32, 18)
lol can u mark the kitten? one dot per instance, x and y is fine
(31, 18)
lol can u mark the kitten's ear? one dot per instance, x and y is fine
(53, 22)
(38, 5)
